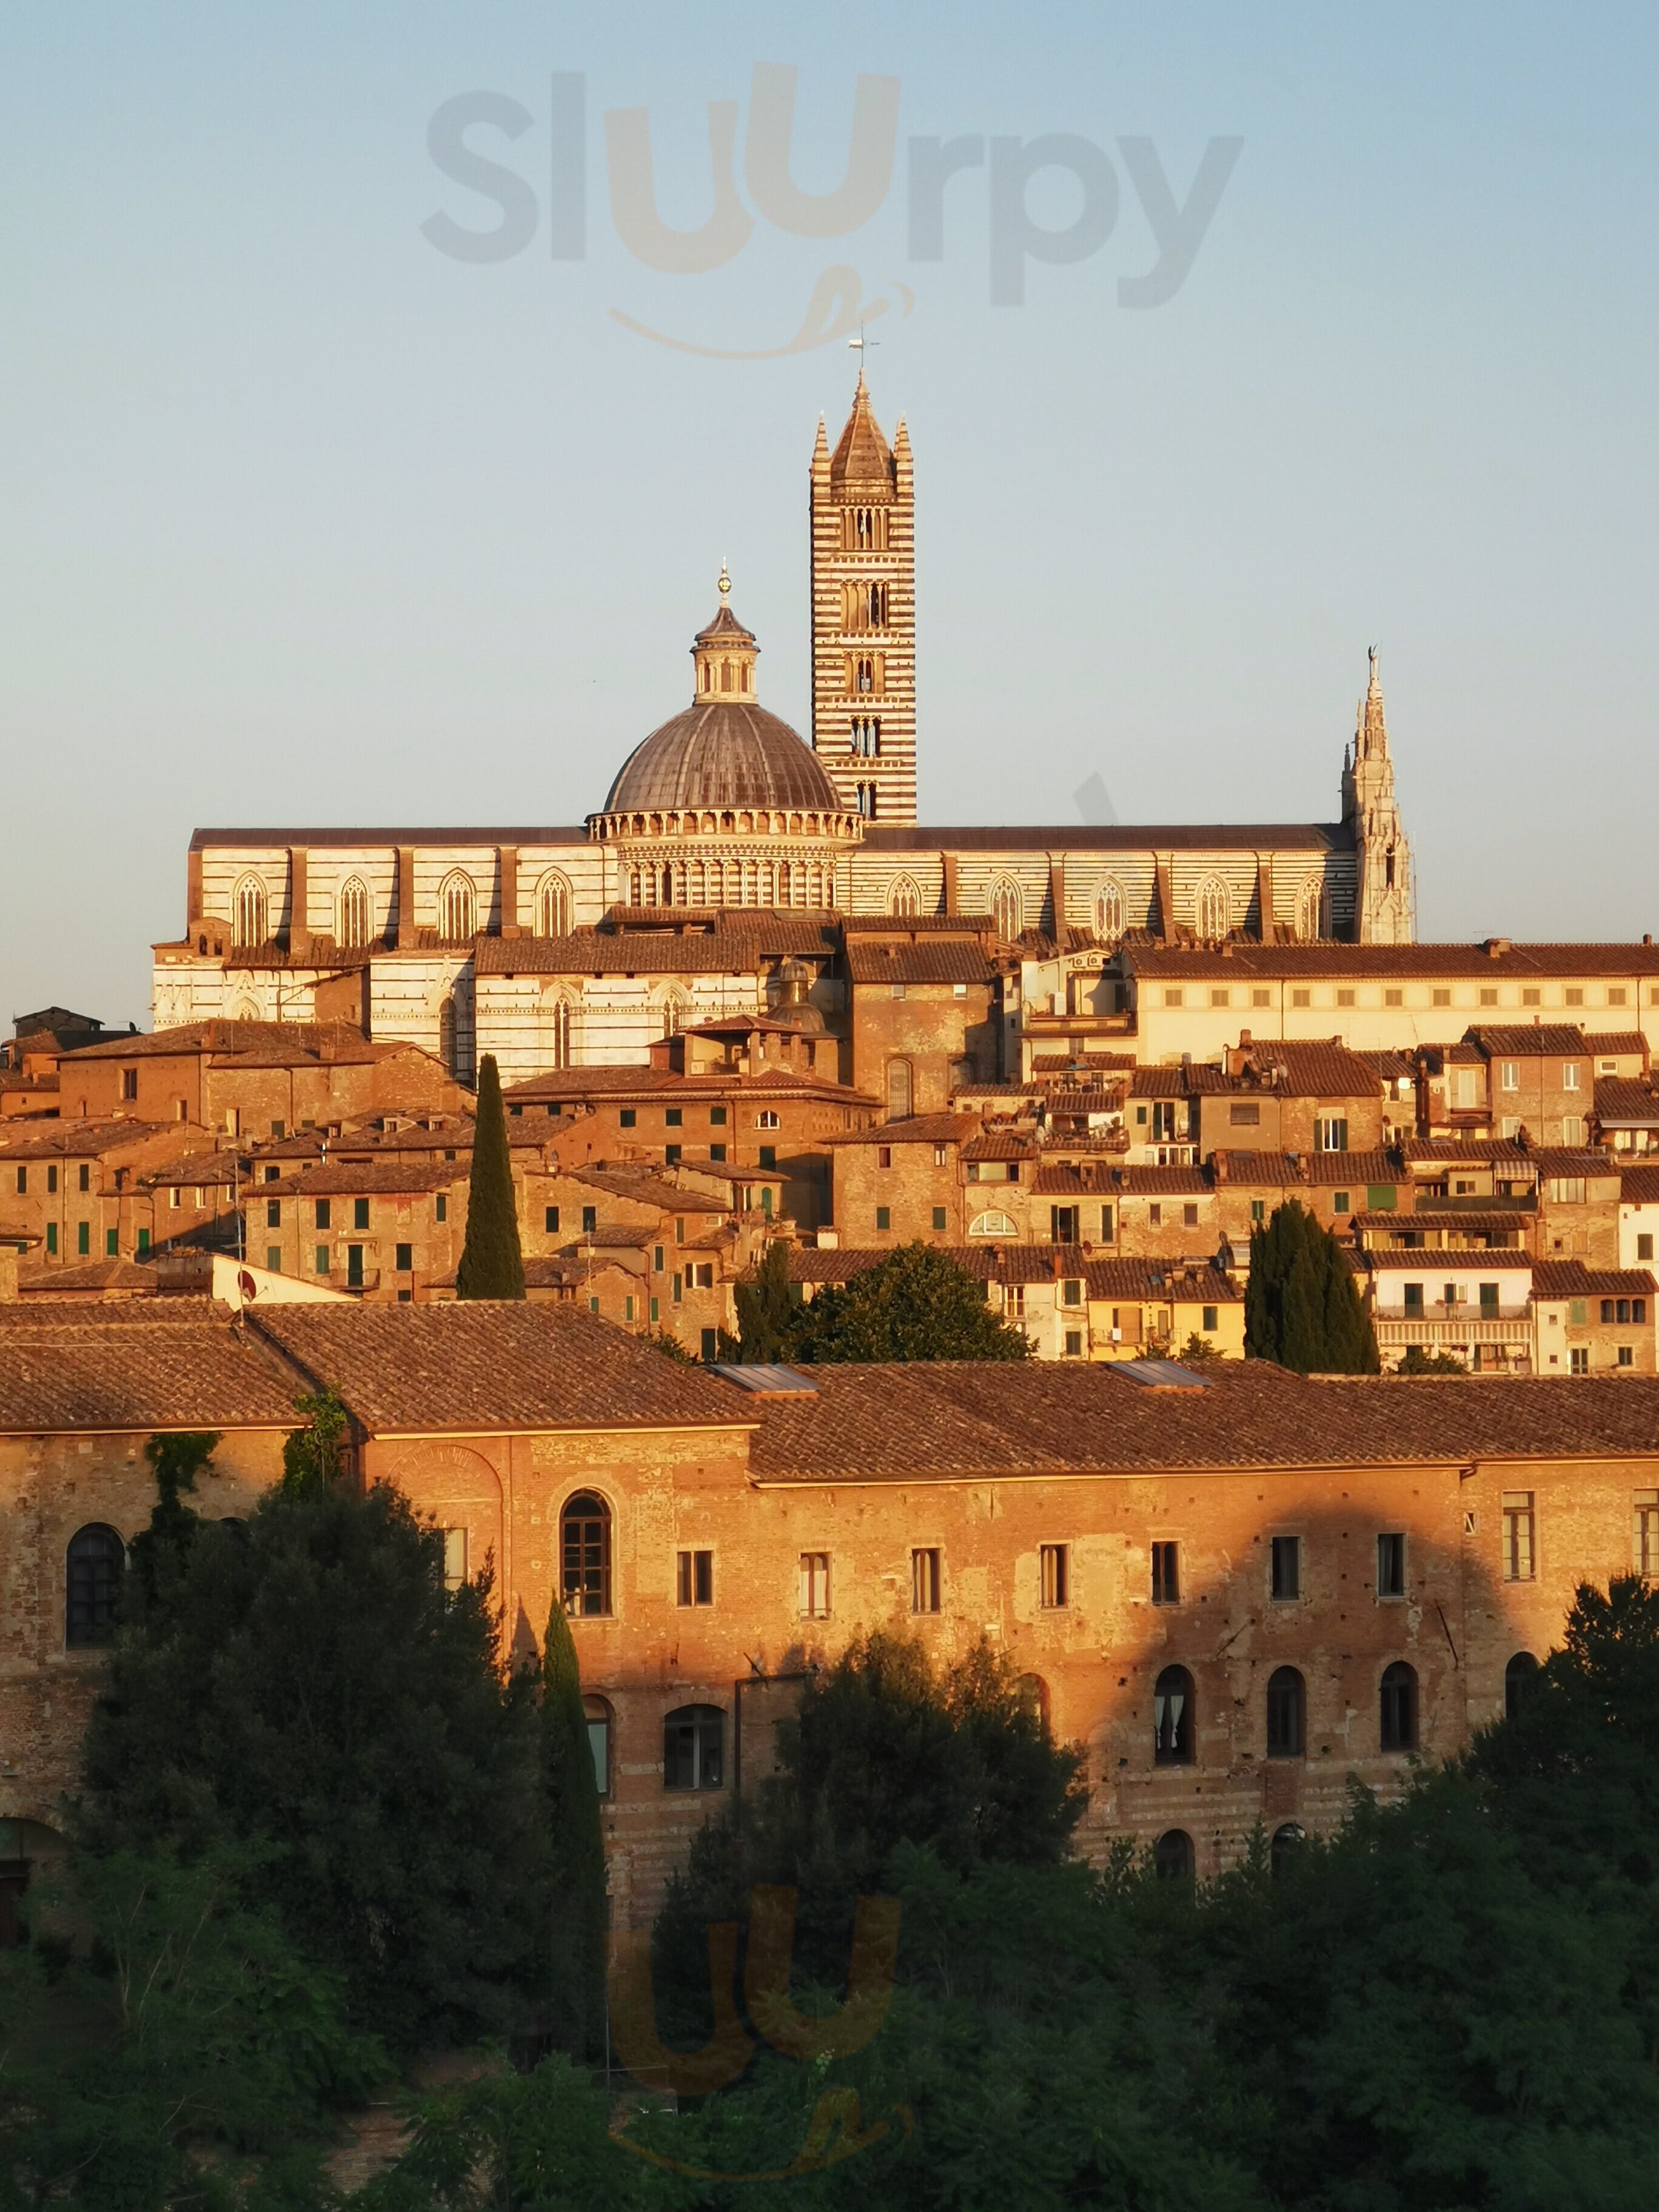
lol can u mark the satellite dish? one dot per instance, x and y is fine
(247, 1286)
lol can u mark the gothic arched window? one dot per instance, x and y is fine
(673, 1014)
(555, 1017)
(904, 897)
(864, 678)
(1286, 1714)
(248, 913)
(866, 798)
(96, 1559)
(1108, 908)
(457, 907)
(1308, 905)
(352, 926)
(553, 906)
(585, 1554)
(1213, 920)
(1172, 1718)
(1007, 907)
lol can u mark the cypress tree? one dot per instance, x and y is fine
(768, 1318)
(577, 1945)
(1301, 1305)
(492, 1266)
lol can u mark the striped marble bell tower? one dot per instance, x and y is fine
(864, 616)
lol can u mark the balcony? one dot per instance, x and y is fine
(1439, 1325)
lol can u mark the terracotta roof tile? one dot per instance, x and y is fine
(917, 1130)
(1623, 1100)
(42, 1312)
(1161, 1278)
(1000, 1145)
(884, 962)
(365, 1178)
(1572, 1278)
(103, 1373)
(496, 1365)
(1620, 1043)
(1381, 962)
(1639, 1186)
(1551, 1039)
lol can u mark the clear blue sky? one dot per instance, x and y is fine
(303, 521)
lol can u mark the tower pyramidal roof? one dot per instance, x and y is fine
(862, 455)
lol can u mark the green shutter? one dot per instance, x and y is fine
(1381, 1197)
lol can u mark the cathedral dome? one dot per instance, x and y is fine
(724, 750)
(728, 753)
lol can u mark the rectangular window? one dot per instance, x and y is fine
(1071, 1291)
(1302, 997)
(1106, 1227)
(360, 1213)
(1287, 1566)
(1510, 1075)
(1579, 1359)
(1173, 997)
(319, 1260)
(694, 1578)
(83, 1236)
(454, 1558)
(673, 1117)
(1442, 997)
(440, 1208)
(1166, 1574)
(1489, 1298)
(769, 1156)
(1189, 1217)
(1645, 1245)
(52, 1237)
(273, 1213)
(1212, 1320)
(1055, 1564)
(628, 1118)
(1520, 1557)
(924, 1582)
(883, 1156)
(1243, 1114)
(1395, 998)
(111, 1243)
(1065, 1224)
(1345, 998)
(883, 1216)
(590, 1221)
(815, 1585)
(22, 1182)
(1488, 995)
(717, 1153)
(550, 1223)
(1578, 1313)
(658, 1257)
(1414, 1299)
(717, 1117)
(323, 1220)
(1221, 998)
(1331, 1132)
(1155, 1215)
(938, 1220)
(599, 1742)
(679, 1288)
(1644, 1550)
(1258, 1212)
(51, 1180)
(655, 1315)
(1074, 1344)
(128, 1083)
(1572, 996)
(709, 1346)
(1569, 1075)
(1340, 1202)
(1164, 1119)
(143, 1247)
(1626, 1355)
(274, 1258)
(404, 1261)
(1391, 1566)
(1260, 997)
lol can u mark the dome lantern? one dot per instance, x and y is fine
(724, 654)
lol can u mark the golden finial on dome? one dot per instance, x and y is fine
(726, 584)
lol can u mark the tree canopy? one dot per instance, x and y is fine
(1301, 1305)
(917, 1303)
(492, 1263)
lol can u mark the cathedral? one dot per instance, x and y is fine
(730, 856)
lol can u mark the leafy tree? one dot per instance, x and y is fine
(666, 1341)
(177, 1460)
(578, 1948)
(769, 1313)
(917, 1303)
(315, 1454)
(1196, 1350)
(492, 1265)
(310, 1690)
(1416, 1361)
(1301, 1305)
(175, 2050)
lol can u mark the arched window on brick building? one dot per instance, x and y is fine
(585, 1554)
(93, 1569)
(1172, 1718)
(1397, 1702)
(1287, 1700)
(901, 1090)
(1173, 1857)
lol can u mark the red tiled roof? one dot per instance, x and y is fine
(1624, 1100)
(35, 1139)
(1552, 1040)
(41, 1311)
(365, 1178)
(939, 1422)
(1000, 1145)
(493, 1365)
(1389, 963)
(99, 1372)
(1161, 1278)
(917, 1129)
(1618, 1043)
(1572, 1278)
(1639, 1186)
(579, 1083)
(1561, 1160)
(647, 1188)
(929, 962)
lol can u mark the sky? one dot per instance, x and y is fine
(309, 515)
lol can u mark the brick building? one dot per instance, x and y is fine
(1239, 1591)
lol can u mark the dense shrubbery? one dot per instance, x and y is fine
(917, 1303)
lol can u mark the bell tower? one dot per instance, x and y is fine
(1385, 907)
(864, 616)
